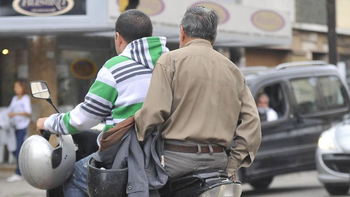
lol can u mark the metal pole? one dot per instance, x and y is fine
(332, 34)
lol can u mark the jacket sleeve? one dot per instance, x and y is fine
(157, 106)
(97, 105)
(247, 139)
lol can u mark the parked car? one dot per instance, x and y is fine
(308, 98)
(333, 158)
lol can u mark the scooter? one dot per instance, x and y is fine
(207, 183)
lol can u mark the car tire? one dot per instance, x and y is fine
(336, 189)
(262, 183)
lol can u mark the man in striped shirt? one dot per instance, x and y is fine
(118, 91)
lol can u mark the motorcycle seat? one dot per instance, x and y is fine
(196, 183)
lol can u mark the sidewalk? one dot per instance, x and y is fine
(16, 189)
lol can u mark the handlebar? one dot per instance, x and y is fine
(45, 134)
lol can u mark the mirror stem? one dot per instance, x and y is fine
(50, 101)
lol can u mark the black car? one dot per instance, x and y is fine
(308, 98)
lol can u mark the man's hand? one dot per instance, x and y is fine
(233, 176)
(40, 125)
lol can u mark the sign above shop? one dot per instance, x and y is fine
(240, 25)
(42, 8)
(267, 20)
(32, 17)
(83, 68)
(151, 8)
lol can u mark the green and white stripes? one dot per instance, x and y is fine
(118, 91)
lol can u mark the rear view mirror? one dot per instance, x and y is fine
(39, 90)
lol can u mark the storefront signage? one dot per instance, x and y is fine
(42, 7)
(240, 25)
(224, 15)
(149, 7)
(83, 68)
(267, 20)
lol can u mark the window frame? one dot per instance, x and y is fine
(326, 111)
(342, 90)
(284, 88)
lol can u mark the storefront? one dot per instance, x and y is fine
(65, 42)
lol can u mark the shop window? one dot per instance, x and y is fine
(13, 66)
(307, 95)
(76, 72)
(271, 103)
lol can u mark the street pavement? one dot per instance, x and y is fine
(16, 189)
(304, 184)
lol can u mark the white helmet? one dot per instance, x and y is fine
(44, 166)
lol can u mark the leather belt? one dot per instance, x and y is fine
(193, 149)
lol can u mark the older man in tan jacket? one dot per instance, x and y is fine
(196, 98)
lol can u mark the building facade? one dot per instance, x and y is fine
(65, 42)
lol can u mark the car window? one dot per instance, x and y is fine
(273, 106)
(333, 92)
(307, 95)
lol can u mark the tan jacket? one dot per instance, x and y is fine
(198, 95)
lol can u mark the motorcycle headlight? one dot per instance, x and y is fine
(326, 143)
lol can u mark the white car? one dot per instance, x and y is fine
(333, 158)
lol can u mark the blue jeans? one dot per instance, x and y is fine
(20, 134)
(77, 185)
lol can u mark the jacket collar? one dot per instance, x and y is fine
(199, 41)
(145, 51)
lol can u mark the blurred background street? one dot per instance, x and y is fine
(303, 184)
(16, 189)
(66, 45)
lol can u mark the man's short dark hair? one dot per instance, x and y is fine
(200, 22)
(133, 24)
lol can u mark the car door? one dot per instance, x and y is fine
(318, 101)
(280, 146)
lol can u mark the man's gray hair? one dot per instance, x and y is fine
(200, 22)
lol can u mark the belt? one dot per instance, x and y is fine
(193, 149)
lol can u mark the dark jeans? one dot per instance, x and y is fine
(77, 185)
(20, 134)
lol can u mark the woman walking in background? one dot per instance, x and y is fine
(19, 112)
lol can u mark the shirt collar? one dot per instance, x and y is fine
(199, 41)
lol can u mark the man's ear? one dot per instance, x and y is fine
(118, 39)
(182, 34)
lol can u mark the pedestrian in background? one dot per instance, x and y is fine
(19, 112)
